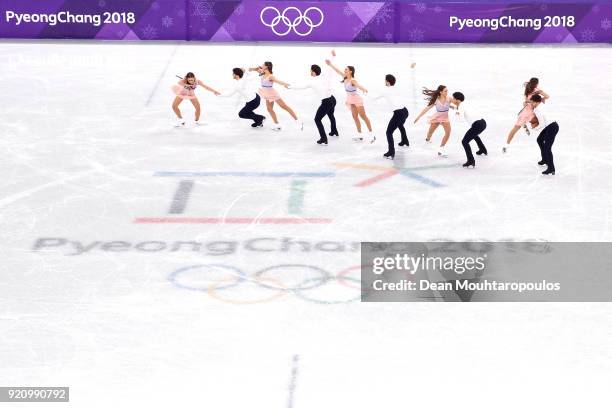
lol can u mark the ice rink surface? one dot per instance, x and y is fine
(217, 266)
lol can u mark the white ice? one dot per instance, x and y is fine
(85, 127)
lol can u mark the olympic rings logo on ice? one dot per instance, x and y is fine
(232, 285)
(289, 22)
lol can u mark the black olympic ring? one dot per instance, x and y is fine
(292, 25)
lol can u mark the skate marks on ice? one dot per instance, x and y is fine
(293, 380)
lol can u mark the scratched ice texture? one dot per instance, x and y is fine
(144, 265)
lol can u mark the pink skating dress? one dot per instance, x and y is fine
(441, 115)
(184, 90)
(526, 114)
(352, 96)
(267, 91)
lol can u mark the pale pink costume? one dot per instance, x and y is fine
(526, 114)
(352, 97)
(267, 91)
(441, 115)
(184, 90)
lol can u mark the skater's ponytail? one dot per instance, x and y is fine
(531, 86)
(431, 96)
(352, 69)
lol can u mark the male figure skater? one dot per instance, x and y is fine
(246, 89)
(395, 102)
(321, 85)
(477, 127)
(548, 131)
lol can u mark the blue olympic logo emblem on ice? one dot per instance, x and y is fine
(230, 284)
(291, 19)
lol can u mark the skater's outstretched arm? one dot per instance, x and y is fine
(208, 88)
(335, 68)
(328, 71)
(424, 111)
(300, 87)
(379, 94)
(356, 85)
(543, 94)
(228, 93)
(278, 81)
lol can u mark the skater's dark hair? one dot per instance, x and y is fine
(189, 75)
(390, 79)
(316, 69)
(531, 85)
(238, 72)
(352, 69)
(536, 98)
(431, 95)
(459, 96)
(268, 65)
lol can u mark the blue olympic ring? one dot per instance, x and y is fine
(173, 278)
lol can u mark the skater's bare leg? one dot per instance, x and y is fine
(362, 113)
(175, 107)
(355, 114)
(286, 107)
(512, 133)
(432, 129)
(270, 107)
(196, 105)
(447, 132)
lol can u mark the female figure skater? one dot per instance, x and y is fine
(272, 96)
(353, 100)
(526, 114)
(441, 101)
(185, 89)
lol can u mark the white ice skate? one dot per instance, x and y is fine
(299, 125)
(358, 138)
(442, 153)
(276, 127)
(372, 138)
(180, 123)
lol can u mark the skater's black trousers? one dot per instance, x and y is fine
(545, 141)
(473, 133)
(247, 111)
(397, 122)
(327, 107)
